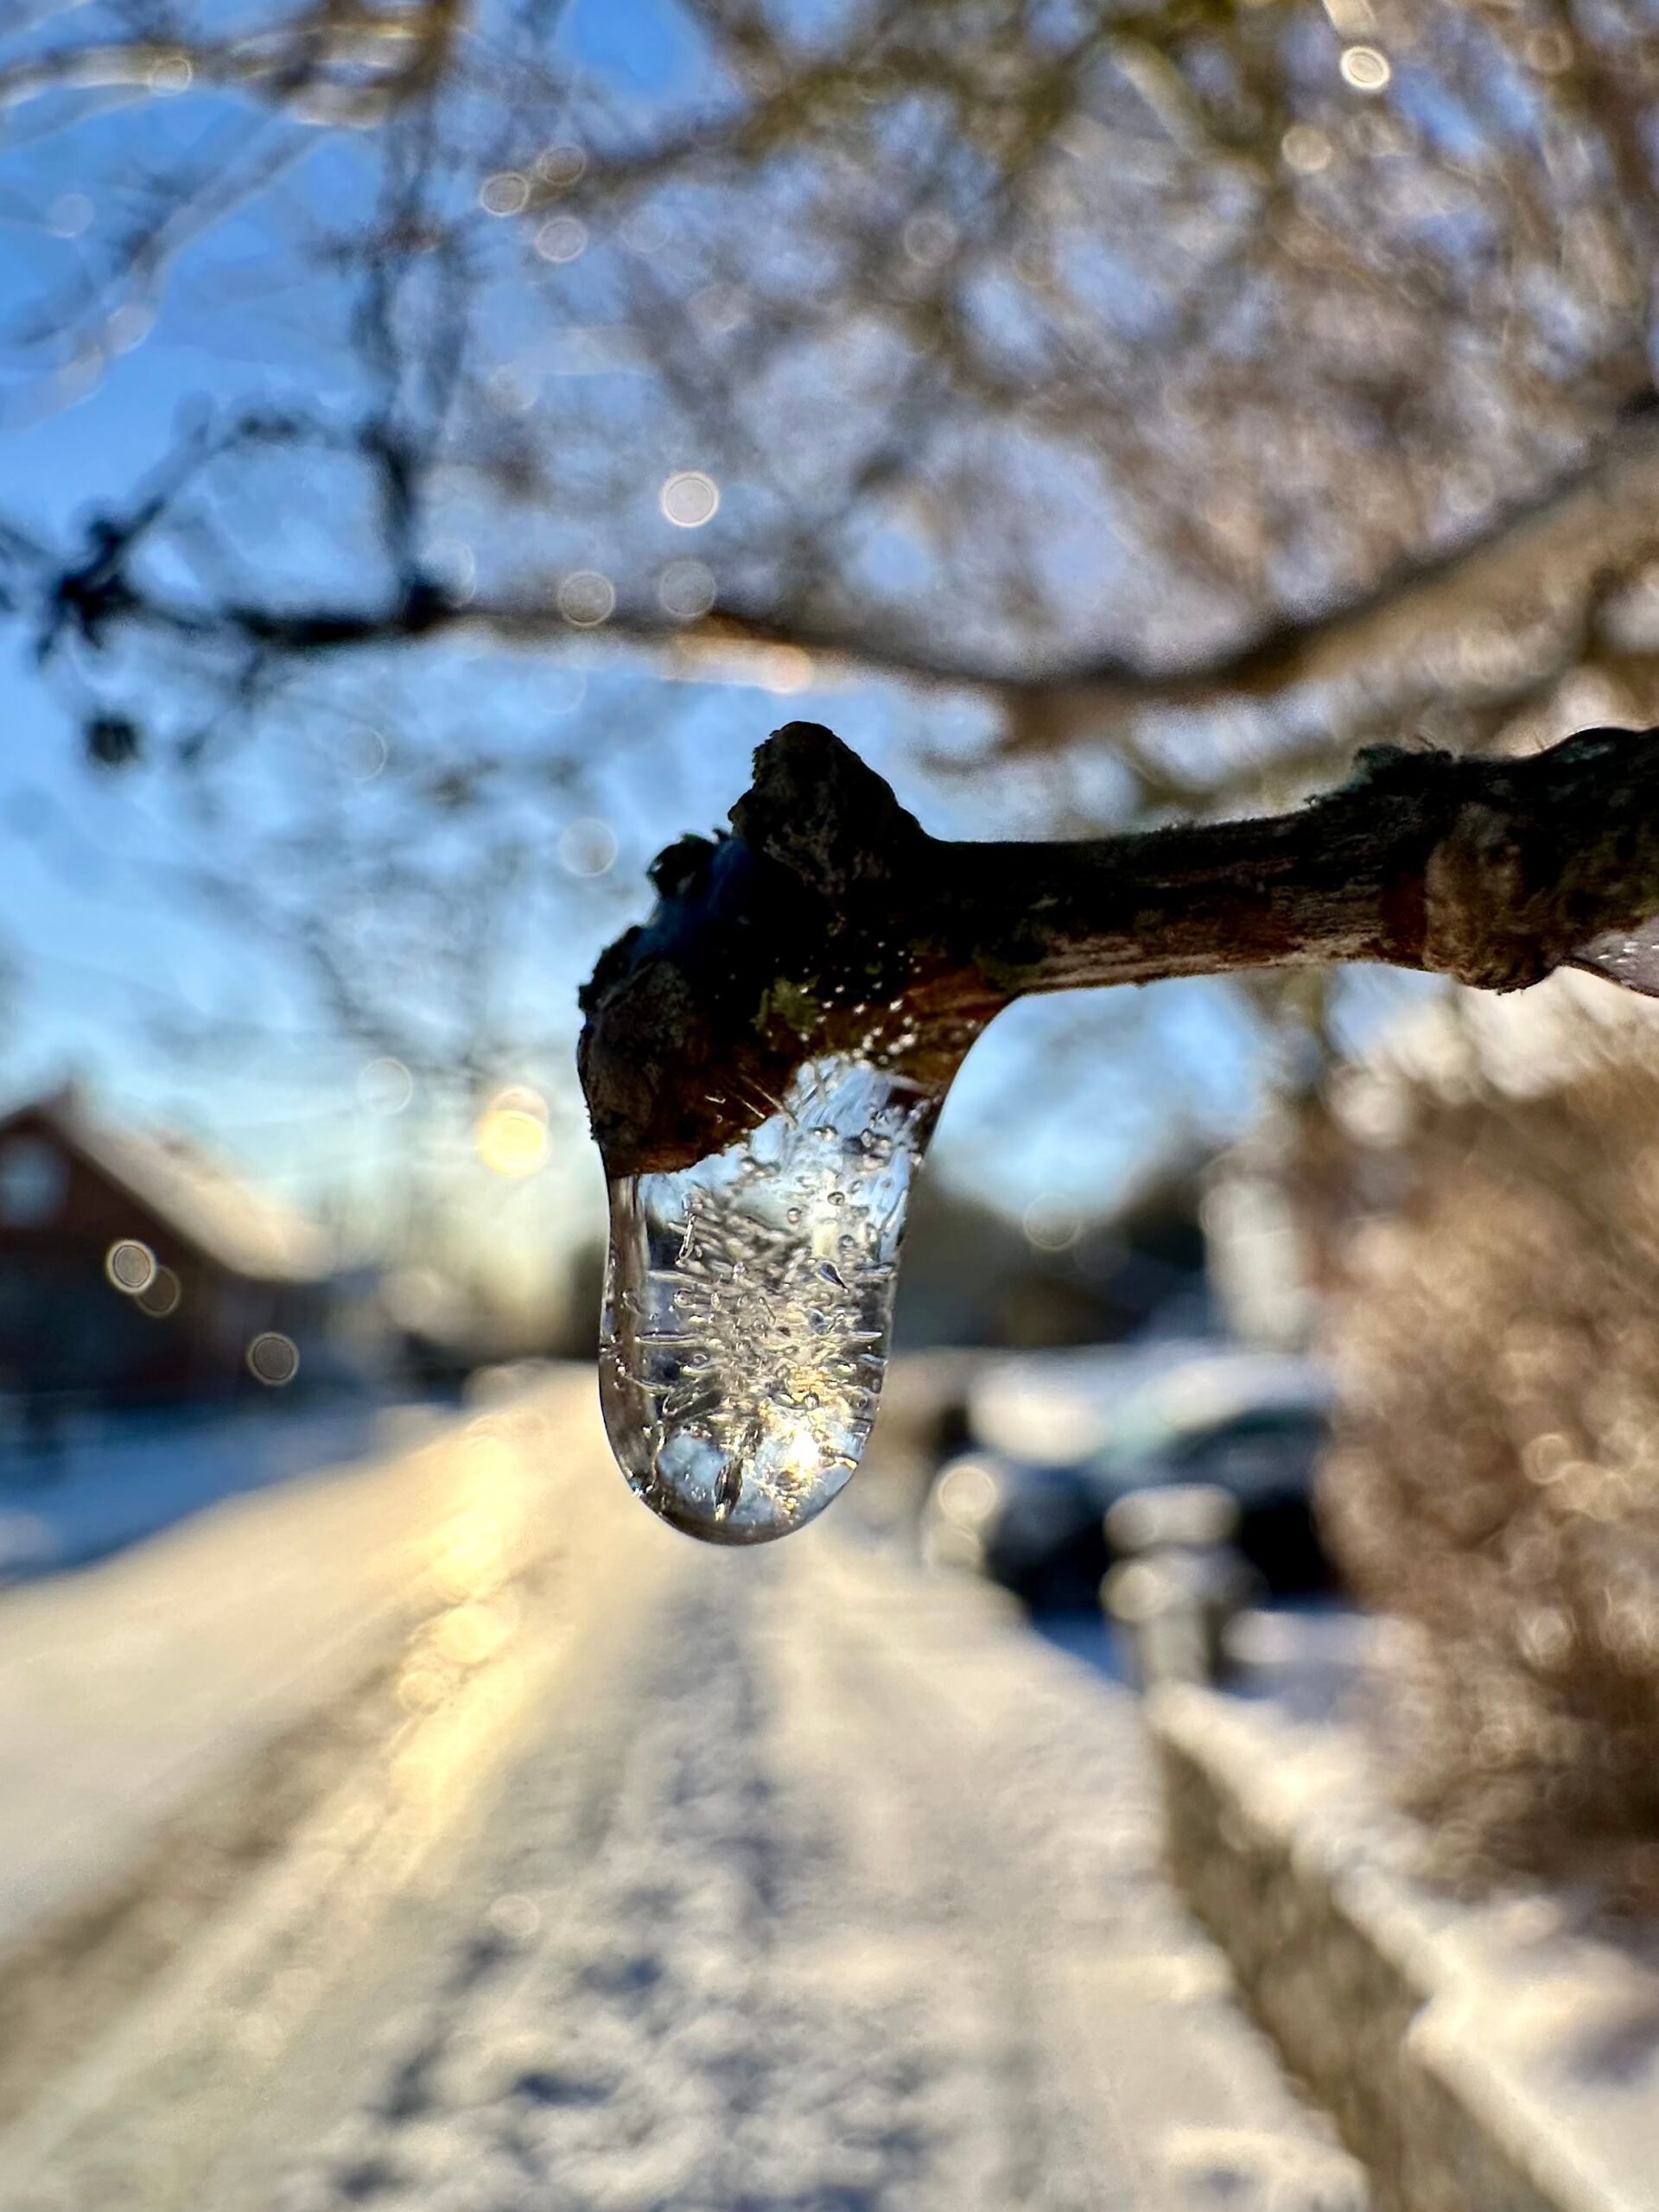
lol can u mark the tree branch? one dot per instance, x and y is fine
(1493, 621)
(830, 921)
(1526, 580)
(349, 64)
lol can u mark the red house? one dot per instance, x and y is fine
(135, 1267)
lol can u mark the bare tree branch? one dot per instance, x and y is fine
(1527, 581)
(335, 61)
(830, 921)
(1517, 607)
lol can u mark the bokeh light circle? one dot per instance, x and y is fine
(560, 166)
(587, 847)
(687, 589)
(587, 598)
(1364, 68)
(512, 1133)
(130, 1265)
(273, 1358)
(162, 1296)
(562, 239)
(385, 1086)
(689, 498)
(507, 192)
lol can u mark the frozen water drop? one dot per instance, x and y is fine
(740, 1369)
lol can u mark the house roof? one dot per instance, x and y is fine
(212, 1209)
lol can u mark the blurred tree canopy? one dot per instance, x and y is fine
(1202, 387)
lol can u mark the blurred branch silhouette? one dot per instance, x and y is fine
(1050, 270)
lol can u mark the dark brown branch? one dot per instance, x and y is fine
(830, 921)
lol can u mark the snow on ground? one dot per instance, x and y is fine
(810, 1885)
(840, 1895)
(114, 1478)
(133, 1686)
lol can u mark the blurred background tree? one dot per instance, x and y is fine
(1495, 1483)
(1134, 409)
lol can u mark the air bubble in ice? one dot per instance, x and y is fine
(740, 1362)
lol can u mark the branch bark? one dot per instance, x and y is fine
(830, 921)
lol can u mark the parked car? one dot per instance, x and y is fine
(1055, 1445)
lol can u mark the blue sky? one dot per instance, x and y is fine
(1062, 1101)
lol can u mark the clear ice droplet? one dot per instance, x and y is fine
(748, 1306)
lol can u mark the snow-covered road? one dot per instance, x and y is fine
(807, 1885)
(841, 1897)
